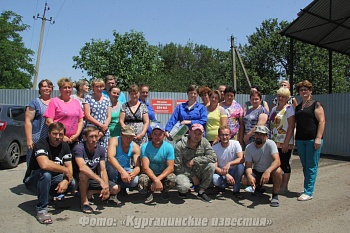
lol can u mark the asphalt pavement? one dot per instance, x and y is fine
(328, 211)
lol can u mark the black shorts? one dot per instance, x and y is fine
(258, 176)
(94, 185)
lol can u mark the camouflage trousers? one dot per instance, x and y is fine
(168, 182)
(204, 173)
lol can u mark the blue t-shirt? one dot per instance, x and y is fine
(121, 97)
(124, 159)
(158, 157)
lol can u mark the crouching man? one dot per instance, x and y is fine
(50, 171)
(263, 154)
(194, 162)
(157, 157)
(122, 152)
(90, 170)
(230, 168)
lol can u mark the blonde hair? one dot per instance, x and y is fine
(285, 81)
(284, 92)
(98, 81)
(62, 81)
(215, 92)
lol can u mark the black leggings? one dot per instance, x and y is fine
(285, 158)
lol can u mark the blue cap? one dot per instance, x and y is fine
(158, 126)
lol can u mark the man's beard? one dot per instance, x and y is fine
(258, 141)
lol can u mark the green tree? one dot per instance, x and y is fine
(130, 57)
(193, 64)
(16, 68)
(266, 57)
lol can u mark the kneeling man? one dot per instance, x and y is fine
(263, 154)
(194, 161)
(157, 157)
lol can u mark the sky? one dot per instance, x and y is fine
(205, 22)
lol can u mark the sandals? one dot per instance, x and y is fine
(275, 202)
(43, 218)
(87, 209)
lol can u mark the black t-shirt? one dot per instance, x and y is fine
(59, 155)
(307, 123)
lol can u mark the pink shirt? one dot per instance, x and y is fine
(68, 113)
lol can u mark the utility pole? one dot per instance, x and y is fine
(233, 56)
(43, 20)
(234, 53)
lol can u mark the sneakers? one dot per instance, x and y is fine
(165, 195)
(204, 197)
(249, 189)
(304, 197)
(182, 195)
(149, 197)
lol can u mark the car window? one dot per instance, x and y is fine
(17, 113)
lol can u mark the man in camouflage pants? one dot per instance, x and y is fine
(157, 165)
(194, 160)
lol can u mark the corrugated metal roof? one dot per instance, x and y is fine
(323, 23)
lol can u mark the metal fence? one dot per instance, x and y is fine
(336, 136)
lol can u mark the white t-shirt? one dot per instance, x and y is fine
(261, 157)
(225, 155)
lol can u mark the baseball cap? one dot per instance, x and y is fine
(158, 126)
(261, 129)
(197, 126)
(128, 130)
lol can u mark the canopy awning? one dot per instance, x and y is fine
(323, 23)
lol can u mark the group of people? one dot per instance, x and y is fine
(97, 143)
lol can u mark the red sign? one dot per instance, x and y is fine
(162, 106)
(180, 102)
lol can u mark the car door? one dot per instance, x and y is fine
(17, 115)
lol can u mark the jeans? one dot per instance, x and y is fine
(113, 175)
(43, 183)
(309, 160)
(236, 172)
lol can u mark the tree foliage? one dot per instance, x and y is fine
(173, 67)
(16, 68)
(267, 60)
(193, 64)
(129, 57)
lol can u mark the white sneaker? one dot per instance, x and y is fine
(249, 189)
(304, 197)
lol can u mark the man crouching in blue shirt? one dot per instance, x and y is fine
(157, 158)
